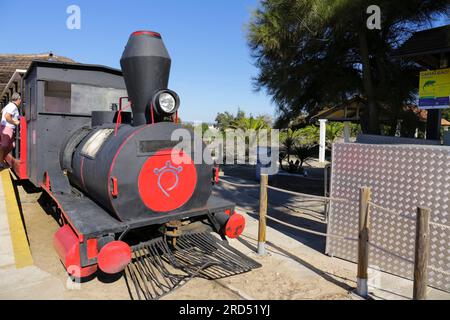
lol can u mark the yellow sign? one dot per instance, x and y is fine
(434, 90)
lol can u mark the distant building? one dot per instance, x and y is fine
(350, 111)
(430, 49)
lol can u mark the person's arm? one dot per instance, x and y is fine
(9, 119)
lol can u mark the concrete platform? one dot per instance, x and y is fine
(14, 247)
(19, 278)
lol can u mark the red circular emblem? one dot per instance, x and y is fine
(167, 180)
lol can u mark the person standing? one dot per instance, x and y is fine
(8, 124)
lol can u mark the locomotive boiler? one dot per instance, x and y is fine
(123, 188)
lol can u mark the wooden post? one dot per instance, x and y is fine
(363, 243)
(422, 253)
(323, 138)
(262, 214)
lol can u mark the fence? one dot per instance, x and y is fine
(422, 237)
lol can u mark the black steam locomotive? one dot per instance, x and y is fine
(111, 171)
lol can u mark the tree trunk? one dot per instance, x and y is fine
(372, 114)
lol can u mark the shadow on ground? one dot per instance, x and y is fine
(309, 215)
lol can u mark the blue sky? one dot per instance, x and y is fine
(211, 63)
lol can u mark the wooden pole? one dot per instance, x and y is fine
(322, 140)
(363, 243)
(262, 214)
(422, 253)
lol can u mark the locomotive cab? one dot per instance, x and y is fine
(112, 170)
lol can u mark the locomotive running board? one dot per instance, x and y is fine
(156, 270)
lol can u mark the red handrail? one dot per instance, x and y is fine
(152, 113)
(120, 101)
(119, 115)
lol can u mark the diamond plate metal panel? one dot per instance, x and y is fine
(402, 177)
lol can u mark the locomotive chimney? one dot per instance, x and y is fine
(146, 66)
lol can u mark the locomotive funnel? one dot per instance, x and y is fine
(146, 67)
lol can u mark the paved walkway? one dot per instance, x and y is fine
(6, 249)
(19, 278)
(13, 241)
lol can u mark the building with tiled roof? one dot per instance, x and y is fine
(10, 63)
(427, 47)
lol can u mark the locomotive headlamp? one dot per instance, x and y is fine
(166, 102)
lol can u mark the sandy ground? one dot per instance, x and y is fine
(295, 267)
(281, 277)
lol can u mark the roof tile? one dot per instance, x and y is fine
(10, 62)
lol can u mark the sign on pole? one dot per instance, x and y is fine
(434, 90)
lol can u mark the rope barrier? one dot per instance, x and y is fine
(295, 193)
(371, 204)
(390, 253)
(311, 231)
(346, 238)
(439, 270)
(390, 211)
(440, 225)
(301, 177)
(330, 199)
(287, 191)
(310, 195)
(239, 184)
(407, 260)
(302, 229)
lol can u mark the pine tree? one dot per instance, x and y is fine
(312, 53)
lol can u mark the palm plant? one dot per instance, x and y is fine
(250, 123)
(334, 131)
(288, 139)
(243, 125)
